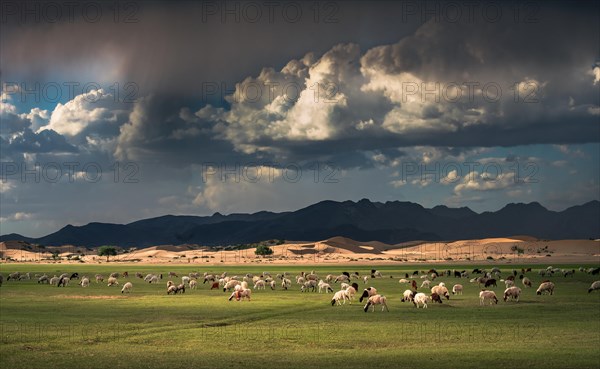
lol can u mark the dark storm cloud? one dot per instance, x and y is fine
(364, 60)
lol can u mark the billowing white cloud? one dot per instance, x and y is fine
(94, 112)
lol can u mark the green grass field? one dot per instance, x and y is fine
(44, 326)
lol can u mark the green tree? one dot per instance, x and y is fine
(263, 250)
(107, 251)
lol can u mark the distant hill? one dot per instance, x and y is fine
(391, 222)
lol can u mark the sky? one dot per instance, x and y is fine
(119, 111)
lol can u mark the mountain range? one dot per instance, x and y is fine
(390, 222)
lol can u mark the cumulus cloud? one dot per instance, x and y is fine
(476, 181)
(93, 113)
(17, 217)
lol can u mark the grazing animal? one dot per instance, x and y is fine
(526, 282)
(420, 298)
(490, 282)
(435, 298)
(260, 284)
(376, 300)
(327, 288)
(312, 285)
(408, 295)
(339, 296)
(85, 282)
(513, 293)
(486, 295)
(127, 287)
(240, 295)
(440, 291)
(112, 280)
(457, 289)
(594, 286)
(368, 292)
(545, 287)
(44, 279)
(414, 285)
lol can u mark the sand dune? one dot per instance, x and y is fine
(341, 249)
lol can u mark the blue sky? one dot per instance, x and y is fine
(470, 112)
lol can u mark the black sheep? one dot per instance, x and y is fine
(490, 282)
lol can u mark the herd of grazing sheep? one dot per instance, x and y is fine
(240, 286)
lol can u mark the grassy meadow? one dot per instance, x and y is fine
(45, 326)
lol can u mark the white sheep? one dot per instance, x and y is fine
(154, 279)
(286, 283)
(323, 286)
(420, 298)
(260, 284)
(172, 289)
(43, 279)
(193, 284)
(99, 278)
(526, 282)
(85, 282)
(350, 292)
(594, 286)
(366, 279)
(457, 289)
(339, 295)
(230, 284)
(240, 295)
(185, 280)
(509, 283)
(54, 281)
(329, 278)
(425, 284)
(273, 284)
(127, 287)
(441, 291)
(312, 277)
(376, 300)
(311, 284)
(408, 295)
(486, 295)
(545, 287)
(404, 280)
(341, 278)
(112, 281)
(442, 284)
(513, 293)
(344, 285)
